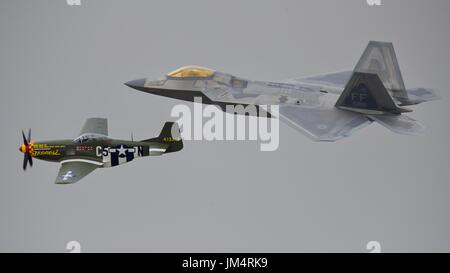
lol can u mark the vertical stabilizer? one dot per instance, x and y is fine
(379, 58)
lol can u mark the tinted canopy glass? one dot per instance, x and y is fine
(191, 72)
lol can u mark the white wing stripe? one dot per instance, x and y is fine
(157, 150)
(82, 160)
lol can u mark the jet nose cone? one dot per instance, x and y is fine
(136, 84)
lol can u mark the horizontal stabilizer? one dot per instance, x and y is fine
(400, 124)
(418, 95)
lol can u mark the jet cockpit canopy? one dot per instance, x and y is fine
(191, 72)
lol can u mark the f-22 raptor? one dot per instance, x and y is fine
(325, 107)
(93, 149)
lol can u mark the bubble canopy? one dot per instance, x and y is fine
(191, 72)
(90, 137)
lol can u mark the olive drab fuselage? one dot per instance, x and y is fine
(108, 152)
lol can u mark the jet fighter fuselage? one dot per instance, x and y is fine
(242, 91)
(325, 107)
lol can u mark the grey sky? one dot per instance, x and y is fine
(62, 64)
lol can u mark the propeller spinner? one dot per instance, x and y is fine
(26, 148)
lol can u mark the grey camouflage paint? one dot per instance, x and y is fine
(309, 104)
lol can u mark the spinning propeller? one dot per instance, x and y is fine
(26, 149)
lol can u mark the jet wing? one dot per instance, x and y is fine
(335, 79)
(95, 126)
(322, 124)
(73, 170)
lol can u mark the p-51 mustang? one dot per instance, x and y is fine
(93, 149)
(325, 107)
